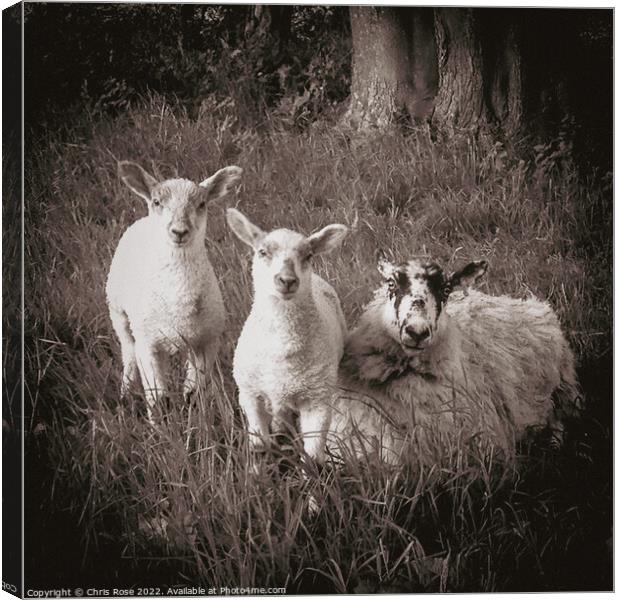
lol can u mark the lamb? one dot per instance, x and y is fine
(287, 356)
(162, 292)
(432, 366)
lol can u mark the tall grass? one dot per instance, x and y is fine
(181, 494)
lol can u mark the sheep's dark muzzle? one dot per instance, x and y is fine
(412, 340)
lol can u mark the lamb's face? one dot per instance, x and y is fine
(281, 266)
(415, 293)
(180, 207)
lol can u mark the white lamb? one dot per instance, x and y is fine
(286, 360)
(433, 371)
(162, 292)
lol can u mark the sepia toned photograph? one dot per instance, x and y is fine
(306, 299)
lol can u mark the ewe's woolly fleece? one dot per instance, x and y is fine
(288, 351)
(487, 378)
(170, 295)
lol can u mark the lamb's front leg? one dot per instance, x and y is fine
(151, 364)
(199, 367)
(120, 322)
(259, 420)
(314, 421)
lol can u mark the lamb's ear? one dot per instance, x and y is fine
(468, 275)
(384, 266)
(328, 238)
(219, 183)
(243, 228)
(136, 179)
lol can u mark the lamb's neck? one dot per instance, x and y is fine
(296, 316)
(182, 257)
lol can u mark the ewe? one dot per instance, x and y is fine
(442, 369)
(162, 292)
(286, 360)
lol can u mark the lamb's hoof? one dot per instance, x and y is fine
(258, 458)
(255, 467)
(314, 506)
(125, 393)
(130, 382)
(159, 412)
(312, 491)
(191, 392)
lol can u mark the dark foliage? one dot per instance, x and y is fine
(103, 56)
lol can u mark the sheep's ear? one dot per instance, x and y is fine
(219, 183)
(136, 179)
(328, 238)
(384, 266)
(243, 228)
(468, 275)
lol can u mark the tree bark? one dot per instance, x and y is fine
(460, 102)
(393, 67)
(504, 77)
(424, 55)
(503, 71)
(379, 81)
(270, 25)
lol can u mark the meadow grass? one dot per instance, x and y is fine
(178, 502)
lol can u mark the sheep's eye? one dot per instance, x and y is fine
(308, 257)
(262, 253)
(202, 205)
(156, 202)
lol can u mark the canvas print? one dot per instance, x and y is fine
(306, 299)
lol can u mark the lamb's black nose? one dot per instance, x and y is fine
(417, 336)
(179, 235)
(286, 283)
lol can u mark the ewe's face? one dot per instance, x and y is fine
(415, 294)
(281, 265)
(181, 208)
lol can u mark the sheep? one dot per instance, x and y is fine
(162, 293)
(434, 366)
(287, 356)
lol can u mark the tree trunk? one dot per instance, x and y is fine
(394, 65)
(380, 79)
(503, 74)
(424, 56)
(506, 84)
(415, 63)
(498, 70)
(460, 102)
(270, 26)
